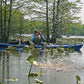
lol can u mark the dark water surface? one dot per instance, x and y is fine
(16, 67)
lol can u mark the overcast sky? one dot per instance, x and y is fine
(82, 12)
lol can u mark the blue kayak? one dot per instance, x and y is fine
(77, 47)
(4, 46)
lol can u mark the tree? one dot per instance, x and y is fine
(64, 14)
(47, 24)
(1, 21)
(5, 21)
(57, 14)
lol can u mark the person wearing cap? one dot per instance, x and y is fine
(37, 37)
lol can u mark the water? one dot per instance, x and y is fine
(16, 67)
(82, 37)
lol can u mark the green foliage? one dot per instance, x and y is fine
(26, 49)
(67, 51)
(17, 22)
(38, 81)
(32, 47)
(34, 51)
(59, 49)
(78, 79)
(77, 0)
(20, 25)
(74, 29)
(30, 59)
(32, 75)
(41, 72)
(30, 25)
(69, 29)
(12, 50)
(50, 51)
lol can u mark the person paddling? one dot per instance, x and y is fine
(37, 37)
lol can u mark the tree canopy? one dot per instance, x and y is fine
(51, 17)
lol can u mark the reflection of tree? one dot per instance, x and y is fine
(4, 65)
(29, 79)
(7, 66)
(0, 58)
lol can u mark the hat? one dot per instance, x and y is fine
(36, 30)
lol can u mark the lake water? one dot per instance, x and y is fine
(16, 67)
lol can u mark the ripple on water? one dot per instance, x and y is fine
(74, 62)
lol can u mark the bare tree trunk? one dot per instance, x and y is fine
(4, 30)
(9, 20)
(21, 25)
(1, 21)
(48, 39)
(53, 39)
(57, 20)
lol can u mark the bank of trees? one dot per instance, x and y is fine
(52, 17)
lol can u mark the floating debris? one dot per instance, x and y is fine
(41, 73)
(13, 79)
(38, 81)
(58, 66)
(35, 63)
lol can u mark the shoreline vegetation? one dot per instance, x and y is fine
(68, 40)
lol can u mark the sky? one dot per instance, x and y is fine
(81, 14)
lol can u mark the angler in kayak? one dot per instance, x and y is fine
(37, 37)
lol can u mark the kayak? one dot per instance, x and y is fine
(77, 47)
(3, 46)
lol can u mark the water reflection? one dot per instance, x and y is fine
(4, 66)
(16, 67)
